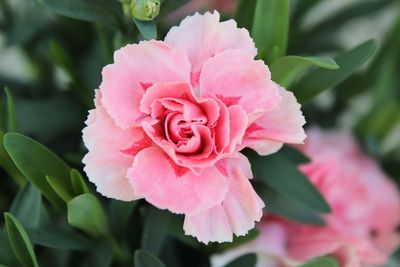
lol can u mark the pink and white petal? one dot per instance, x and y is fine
(203, 36)
(137, 67)
(106, 164)
(165, 90)
(237, 214)
(237, 79)
(269, 246)
(283, 124)
(238, 123)
(175, 188)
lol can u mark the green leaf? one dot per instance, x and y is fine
(60, 187)
(36, 162)
(53, 237)
(11, 122)
(247, 260)
(20, 242)
(86, 213)
(175, 230)
(89, 10)
(148, 29)
(154, 230)
(321, 262)
(283, 176)
(270, 28)
(287, 70)
(319, 80)
(245, 13)
(79, 185)
(100, 255)
(7, 256)
(293, 154)
(287, 207)
(146, 259)
(26, 206)
(119, 213)
(8, 165)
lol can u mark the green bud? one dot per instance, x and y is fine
(145, 10)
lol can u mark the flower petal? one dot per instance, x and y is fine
(237, 79)
(237, 213)
(203, 36)
(283, 124)
(137, 67)
(106, 164)
(168, 186)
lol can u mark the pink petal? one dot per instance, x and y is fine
(236, 78)
(106, 164)
(238, 124)
(136, 67)
(203, 36)
(168, 186)
(283, 124)
(165, 90)
(237, 213)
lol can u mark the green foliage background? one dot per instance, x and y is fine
(53, 217)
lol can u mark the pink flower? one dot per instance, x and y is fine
(224, 6)
(171, 117)
(361, 231)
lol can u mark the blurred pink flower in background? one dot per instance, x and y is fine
(223, 6)
(171, 117)
(361, 231)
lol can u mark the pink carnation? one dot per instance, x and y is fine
(224, 6)
(361, 231)
(171, 117)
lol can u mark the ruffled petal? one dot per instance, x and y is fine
(203, 36)
(283, 124)
(237, 213)
(168, 186)
(137, 67)
(237, 79)
(106, 163)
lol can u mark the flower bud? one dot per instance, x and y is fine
(145, 10)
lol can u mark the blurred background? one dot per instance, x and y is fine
(52, 64)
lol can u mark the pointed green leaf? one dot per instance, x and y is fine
(293, 154)
(148, 29)
(89, 10)
(322, 262)
(26, 206)
(35, 162)
(154, 230)
(79, 185)
(11, 123)
(245, 13)
(86, 213)
(119, 213)
(270, 28)
(286, 207)
(288, 69)
(20, 242)
(61, 187)
(146, 259)
(53, 237)
(319, 80)
(248, 260)
(8, 165)
(6, 253)
(283, 176)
